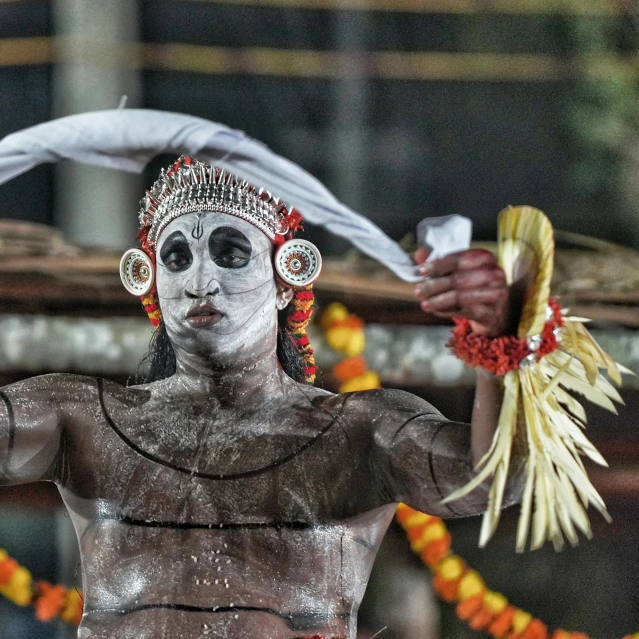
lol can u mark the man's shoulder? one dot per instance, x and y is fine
(387, 400)
(372, 406)
(58, 386)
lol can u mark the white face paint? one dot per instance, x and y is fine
(217, 289)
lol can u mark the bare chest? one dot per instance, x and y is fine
(194, 465)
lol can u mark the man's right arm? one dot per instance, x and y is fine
(30, 430)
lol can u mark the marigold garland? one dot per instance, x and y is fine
(453, 580)
(345, 334)
(49, 601)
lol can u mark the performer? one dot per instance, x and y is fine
(225, 497)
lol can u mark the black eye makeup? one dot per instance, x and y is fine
(229, 248)
(175, 252)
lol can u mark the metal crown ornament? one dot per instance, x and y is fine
(191, 186)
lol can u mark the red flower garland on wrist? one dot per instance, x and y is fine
(499, 355)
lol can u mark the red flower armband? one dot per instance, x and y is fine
(499, 355)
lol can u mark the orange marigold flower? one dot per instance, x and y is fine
(481, 619)
(535, 630)
(350, 367)
(7, 568)
(50, 601)
(436, 550)
(467, 608)
(446, 588)
(502, 623)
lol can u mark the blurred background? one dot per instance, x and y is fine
(405, 109)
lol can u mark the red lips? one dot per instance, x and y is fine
(201, 315)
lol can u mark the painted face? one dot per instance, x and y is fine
(216, 287)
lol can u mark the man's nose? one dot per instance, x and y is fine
(198, 290)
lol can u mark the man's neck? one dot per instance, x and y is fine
(238, 384)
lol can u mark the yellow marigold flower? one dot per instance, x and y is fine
(20, 578)
(366, 381)
(3, 554)
(495, 602)
(72, 606)
(336, 312)
(356, 344)
(437, 530)
(433, 532)
(338, 337)
(417, 519)
(18, 589)
(451, 567)
(521, 620)
(471, 584)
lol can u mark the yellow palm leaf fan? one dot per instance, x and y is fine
(537, 408)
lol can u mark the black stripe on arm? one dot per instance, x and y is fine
(431, 466)
(194, 473)
(12, 429)
(390, 493)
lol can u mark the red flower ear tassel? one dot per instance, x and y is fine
(150, 300)
(296, 323)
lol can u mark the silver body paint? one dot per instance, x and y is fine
(228, 501)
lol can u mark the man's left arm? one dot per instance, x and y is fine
(470, 284)
(428, 457)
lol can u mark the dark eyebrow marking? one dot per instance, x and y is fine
(175, 240)
(226, 235)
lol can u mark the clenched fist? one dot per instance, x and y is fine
(466, 284)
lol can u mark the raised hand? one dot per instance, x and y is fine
(466, 284)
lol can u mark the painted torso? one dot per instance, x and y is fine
(221, 525)
(258, 520)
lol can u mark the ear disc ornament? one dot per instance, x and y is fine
(136, 272)
(298, 263)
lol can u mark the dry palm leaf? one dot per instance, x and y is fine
(557, 488)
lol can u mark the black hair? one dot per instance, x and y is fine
(159, 363)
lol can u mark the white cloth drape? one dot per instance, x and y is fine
(128, 139)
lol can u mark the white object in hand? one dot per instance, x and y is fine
(444, 235)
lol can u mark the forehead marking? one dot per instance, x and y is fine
(198, 228)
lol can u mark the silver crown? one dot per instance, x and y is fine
(191, 186)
